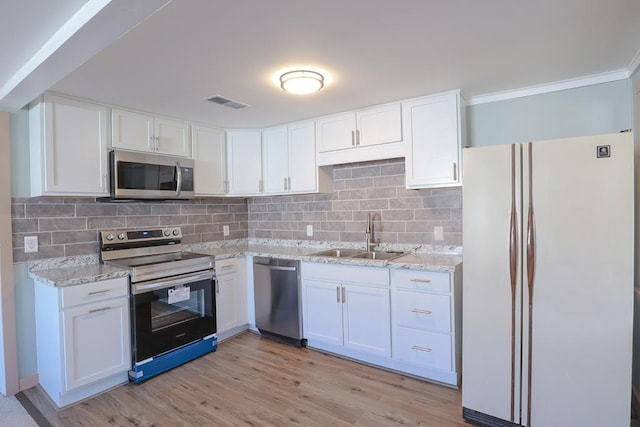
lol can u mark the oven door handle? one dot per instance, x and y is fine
(174, 281)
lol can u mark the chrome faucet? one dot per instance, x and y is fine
(371, 241)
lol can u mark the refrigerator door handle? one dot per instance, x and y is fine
(513, 273)
(531, 264)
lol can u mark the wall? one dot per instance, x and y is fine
(377, 188)
(589, 110)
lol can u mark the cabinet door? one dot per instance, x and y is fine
(132, 131)
(379, 125)
(322, 311)
(367, 320)
(244, 162)
(275, 160)
(210, 158)
(226, 298)
(73, 131)
(303, 170)
(336, 132)
(432, 131)
(172, 137)
(96, 341)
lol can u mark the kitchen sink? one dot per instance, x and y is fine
(358, 254)
(339, 253)
(379, 255)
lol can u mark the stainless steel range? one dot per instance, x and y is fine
(173, 317)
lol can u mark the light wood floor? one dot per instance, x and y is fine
(254, 381)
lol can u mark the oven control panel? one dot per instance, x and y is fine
(121, 236)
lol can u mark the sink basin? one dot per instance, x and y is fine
(339, 253)
(379, 255)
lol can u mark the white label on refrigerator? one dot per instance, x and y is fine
(179, 294)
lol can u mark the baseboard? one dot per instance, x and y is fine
(635, 401)
(28, 382)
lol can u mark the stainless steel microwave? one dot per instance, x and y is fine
(150, 176)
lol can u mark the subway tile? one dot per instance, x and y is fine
(397, 215)
(446, 201)
(76, 249)
(321, 206)
(65, 237)
(407, 203)
(222, 217)
(143, 221)
(393, 169)
(380, 193)
(352, 194)
(172, 220)
(17, 209)
(359, 183)
(333, 226)
(240, 217)
(131, 209)
(415, 238)
(272, 207)
(106, 223)
(365, 171)
(297, 207)
(339, 216)
(191, 239)
(341, 173)
(346, 205)
(325, 236)
(165, 209)
(292, 216)
(375, 204)
(314, 216)
(194, 209)
(390, 226)
(49, 210)
(205, 228)
(272, 216)
(433, 214)
(238, 208)
(96, 209)
(388, 181)
(199, 219)
(17, 239)
(20, 225)
(61, 224)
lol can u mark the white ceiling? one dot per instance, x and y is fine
(376, 51)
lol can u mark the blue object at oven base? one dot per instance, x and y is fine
(157, 365)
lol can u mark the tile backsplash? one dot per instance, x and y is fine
(376, 188)
(69, 226)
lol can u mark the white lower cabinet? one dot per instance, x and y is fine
(346, 310)
(405, 320)
(426, 319)
(231, 297)
(83, 338)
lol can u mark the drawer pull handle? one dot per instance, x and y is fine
(417, 310)
(104, 291)
(421, 280)
(95, 310)
(226, 267)
(417, 347)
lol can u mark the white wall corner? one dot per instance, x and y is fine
(634, 65)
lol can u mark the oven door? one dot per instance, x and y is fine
(170, 313)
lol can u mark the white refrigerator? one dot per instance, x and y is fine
(548, 238)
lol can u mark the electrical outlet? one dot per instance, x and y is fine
(438, 233)
(309, 230)
(225, 230)
(30, 244)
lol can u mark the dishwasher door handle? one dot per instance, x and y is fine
(278, 267)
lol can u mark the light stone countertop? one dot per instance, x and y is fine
(78, 270)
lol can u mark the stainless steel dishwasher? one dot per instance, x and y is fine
(277, 292)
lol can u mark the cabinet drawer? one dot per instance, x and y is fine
(420, 280)
(226, 266)
(422, 310)
(346, 273)
(95, 291)
(422, 348)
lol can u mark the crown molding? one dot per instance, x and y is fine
(551, 87)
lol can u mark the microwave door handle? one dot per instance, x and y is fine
(178, 179)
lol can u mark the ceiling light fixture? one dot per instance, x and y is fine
(301, 82)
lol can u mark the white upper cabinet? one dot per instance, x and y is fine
(433, 132)
(369, 134)
(142, 132)
(210, 157)
(68, 147)
(244, 162)
(289, 160)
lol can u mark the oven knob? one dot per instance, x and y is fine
(167, 232)
(109, 236)
(121, 236)
(176, 232)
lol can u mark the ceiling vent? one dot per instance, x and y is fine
(226, 102)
